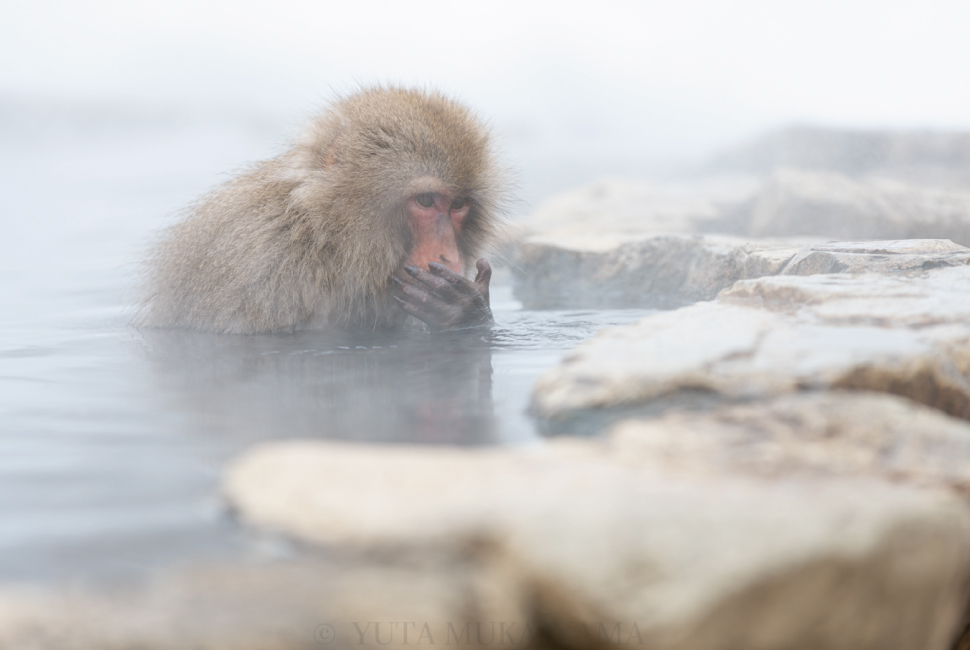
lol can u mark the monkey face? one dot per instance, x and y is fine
(436, 218)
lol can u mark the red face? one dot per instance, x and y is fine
(436, 219)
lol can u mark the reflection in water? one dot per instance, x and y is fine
(367, 388)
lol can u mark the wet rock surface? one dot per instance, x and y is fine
(669, 271)
(660, 271)
(907, 334)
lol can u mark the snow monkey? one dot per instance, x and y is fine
(376, 212)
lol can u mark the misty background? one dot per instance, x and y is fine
(121, 113)
(574, 90)
(115, 115)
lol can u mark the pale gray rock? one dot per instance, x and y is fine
(667, 271)
(566, 271)
(583, 532)
(798, 569)
(813, 434)
(616, 244)
(443, 486)
(627, 244)
(904, 300)
(904, 333)
(875, 257)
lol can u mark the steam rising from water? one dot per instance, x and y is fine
(115, 115)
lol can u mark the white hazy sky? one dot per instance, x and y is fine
(683, 74)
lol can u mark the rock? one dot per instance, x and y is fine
(743, 570)
(935, 297)
(585, 544)
(875, 257)
(668, 271)
(649, 244)
(616, 244)
(618, 271)
(813, 434)
(907, 334)
(587, 260)
(360, 479)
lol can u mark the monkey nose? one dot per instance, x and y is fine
(436, 244)
(453, 263)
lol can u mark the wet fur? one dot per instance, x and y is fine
(311, 238)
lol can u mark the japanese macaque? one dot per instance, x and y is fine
(375, 213)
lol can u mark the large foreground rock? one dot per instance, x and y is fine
(906, 333)
(586, 543)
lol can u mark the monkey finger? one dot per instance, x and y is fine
(435, 321)
(460, 283)
(437, 312)
(440, 286)
(483, 277)
(412, 309)
(428, 306)
(484, 271)
(412, 291)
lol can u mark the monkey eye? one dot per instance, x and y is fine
(458, 204)
(425, 200)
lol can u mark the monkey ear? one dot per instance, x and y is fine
(331, 154)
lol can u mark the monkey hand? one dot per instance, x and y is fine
(443, 299)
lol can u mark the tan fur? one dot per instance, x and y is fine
(310, 238)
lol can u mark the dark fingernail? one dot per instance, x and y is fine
(397, 280)
(434, 266)
(411, 269)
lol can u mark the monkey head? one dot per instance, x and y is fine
(412, 174)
